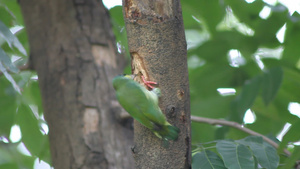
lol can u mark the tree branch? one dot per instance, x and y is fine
(234, 125)
(237, 126)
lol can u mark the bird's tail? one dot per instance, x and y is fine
(168, 132)
(173, 133)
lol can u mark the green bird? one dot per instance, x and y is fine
(142, 105)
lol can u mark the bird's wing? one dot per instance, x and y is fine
(141, 104)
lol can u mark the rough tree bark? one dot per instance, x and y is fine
(157, 46)
(73, 51)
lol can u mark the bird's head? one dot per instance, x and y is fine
(120, 80)
(129, 76)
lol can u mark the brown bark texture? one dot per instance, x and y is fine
(157, 46)
(72, 48)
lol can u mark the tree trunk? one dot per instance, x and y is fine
(73, 51)
(157, 46)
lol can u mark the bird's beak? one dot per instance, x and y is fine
(133, 76)
(130, 76)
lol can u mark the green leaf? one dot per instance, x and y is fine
(205, 84)
(212, 12)
(290, 84)
(14, 7)
(5, 157)
(31, 95)
(32, 137)
(292, 135)
(11, 39)
(271, 83)
(9, 78)
(236, 40)
(235, 156)
(7, 116)
(235, 134)
(264, 125)
(6, 15)
(190, 16)
(208, 51)
(5, 59)
(265, 153)
(247, 12)
(267, 37)
(9, 165)
(117, 15)
(204, 94)
(118, 23)
(206, 107)
(291, 51)
(11, 157)
(8, 107)
(199, 130)
(207, 160)
(246, 99)
(291, 161)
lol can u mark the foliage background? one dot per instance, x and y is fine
(232, 44)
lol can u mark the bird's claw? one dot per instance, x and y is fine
(148, 83)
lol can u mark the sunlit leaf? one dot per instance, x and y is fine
(5, 59)
(9, 78)
(292, 135)
(247, 12)
(32, 137)
(267, 37)
(11, 39)
(11, 157)
(119, 29)
(31, 95)
(269, 119)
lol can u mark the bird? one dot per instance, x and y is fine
(143, 105)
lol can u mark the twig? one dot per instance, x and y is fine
(23, 67)
(237, 126)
